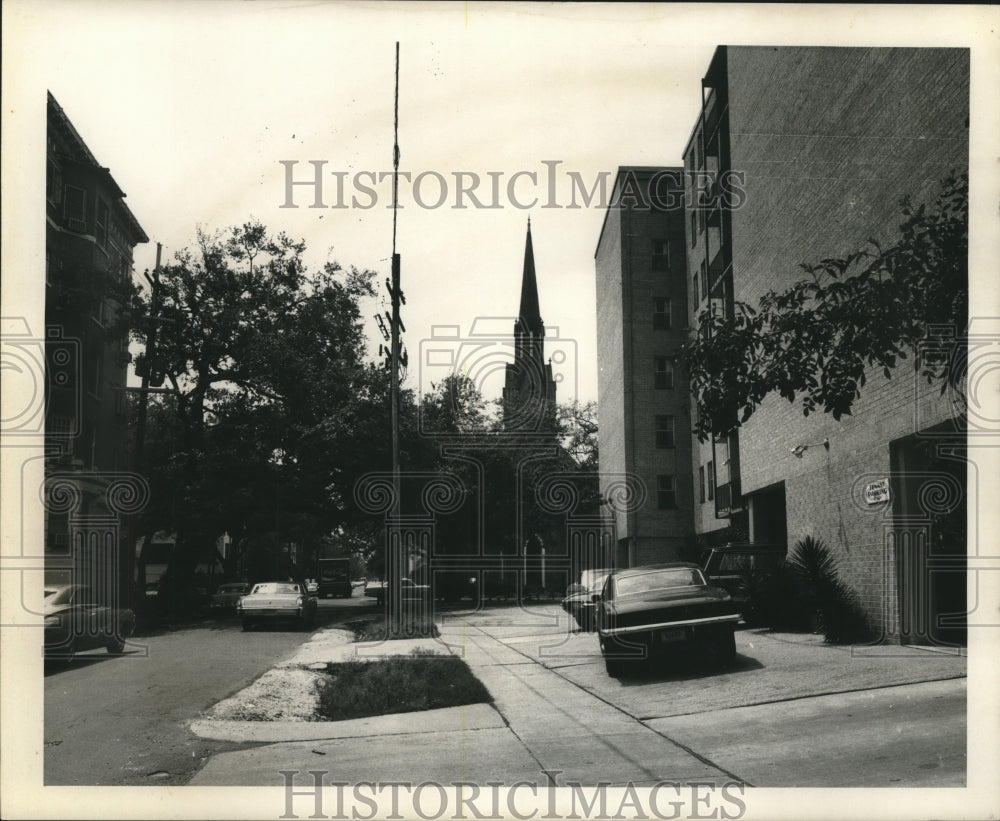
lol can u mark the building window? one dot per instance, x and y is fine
(701, 484)
(75, 208)
(694, 291)
(664, 431)
(98, 372)
(666, 493)
(661, 255)
(661, 313)
(704, 277)
(101, 222)
(711, 480)
(694, 227)
(54, 183)
(664, 373)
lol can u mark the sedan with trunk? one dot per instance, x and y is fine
(655, 610)
(78, 618)
(579, 601)
(277, 601)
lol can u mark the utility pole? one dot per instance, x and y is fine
(148, 356)
(144, 391)
(394, 549)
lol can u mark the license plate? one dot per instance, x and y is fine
(665, 636)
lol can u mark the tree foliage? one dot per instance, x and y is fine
(816, 340)
(275, 410)
(579, 432)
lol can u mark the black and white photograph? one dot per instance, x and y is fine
(499, 410)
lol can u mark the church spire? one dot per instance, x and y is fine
(529, 313)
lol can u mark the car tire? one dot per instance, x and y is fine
(115, 645)
(721, 649)
(614, 667)
(246, 625)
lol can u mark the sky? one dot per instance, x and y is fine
(202, 109)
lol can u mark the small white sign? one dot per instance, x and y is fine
(877, 491)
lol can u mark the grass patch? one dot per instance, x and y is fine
(376, 629)
(403, 684)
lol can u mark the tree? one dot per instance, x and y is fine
(269, 419)
(816, 340)
(578, 423)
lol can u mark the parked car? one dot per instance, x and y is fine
(579, 601)
(227, 595)
(77, 619)
(747, 573)
(277, 601)
(409, 591)
(654, 610)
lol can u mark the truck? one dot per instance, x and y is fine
(335, 578)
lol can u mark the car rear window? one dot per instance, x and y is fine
(272, 588)
(658, 580)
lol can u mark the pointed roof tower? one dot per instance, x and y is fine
(529, 314)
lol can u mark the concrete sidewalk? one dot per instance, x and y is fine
(538, 721)
(553, 709)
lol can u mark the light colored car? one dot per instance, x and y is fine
(277, 601)
(76, 619)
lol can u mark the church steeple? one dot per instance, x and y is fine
(529, 314)
(529, 392)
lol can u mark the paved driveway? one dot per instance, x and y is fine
(792, 711)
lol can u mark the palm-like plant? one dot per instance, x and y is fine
(835, 604)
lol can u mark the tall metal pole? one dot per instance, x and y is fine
(140, 423)
(395, 298)
(394, 557)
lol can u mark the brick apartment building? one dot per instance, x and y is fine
(830, 139)
(90, 232)
(643, 405)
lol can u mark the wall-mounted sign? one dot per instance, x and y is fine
(877, 491)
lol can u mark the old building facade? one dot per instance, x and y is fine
(90, 237)
(643, 404)
(826, 142)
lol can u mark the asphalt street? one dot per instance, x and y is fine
(124, 720)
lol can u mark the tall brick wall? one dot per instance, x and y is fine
(830, 140)
(628, 283)
(611, 374)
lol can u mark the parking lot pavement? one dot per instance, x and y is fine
(912, 735)
(567, 729)
(769, 667)
(792, 710)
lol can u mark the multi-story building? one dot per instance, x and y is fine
(90, 237)
(643, 404)
(828, 140)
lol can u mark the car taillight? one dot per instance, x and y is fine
(239, 603)
(298, 602)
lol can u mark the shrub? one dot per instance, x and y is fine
(400, 684)
(834, 604)
(377, 629)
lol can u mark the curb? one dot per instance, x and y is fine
(447, 719)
